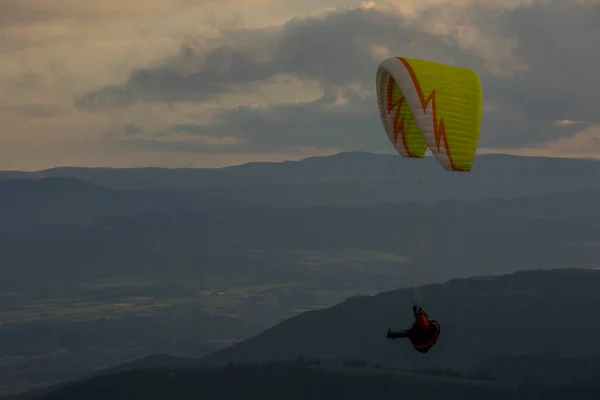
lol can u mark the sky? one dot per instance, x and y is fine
(208, 83)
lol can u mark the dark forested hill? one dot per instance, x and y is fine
(302, 381)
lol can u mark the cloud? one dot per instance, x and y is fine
(337, 49)
(312, 124)
(555, 37)
(534, 59)
(39, 11)
(32, 110)
(566, 123)
(582, 144)
(334, 48)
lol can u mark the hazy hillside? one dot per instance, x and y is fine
(227, 246)
(526, 313)
(67, 202)
(94, 276)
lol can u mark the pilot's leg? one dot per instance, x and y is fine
(396, 335)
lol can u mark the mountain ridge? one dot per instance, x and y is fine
(343, 167)
(356, 327)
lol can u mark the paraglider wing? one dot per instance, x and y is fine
(397, 118)
(445, 105)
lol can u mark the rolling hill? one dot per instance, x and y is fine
(528, 313)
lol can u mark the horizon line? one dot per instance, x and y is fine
(428, 155)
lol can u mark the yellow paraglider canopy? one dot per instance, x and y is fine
(425, 104)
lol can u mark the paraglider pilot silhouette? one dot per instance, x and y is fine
(423, 334)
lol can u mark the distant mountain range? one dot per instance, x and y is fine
(492, 176)
(78, 196)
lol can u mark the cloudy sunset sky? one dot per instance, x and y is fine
(195, 83)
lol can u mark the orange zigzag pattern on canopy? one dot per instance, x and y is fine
(439, 131)
(399, 127)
